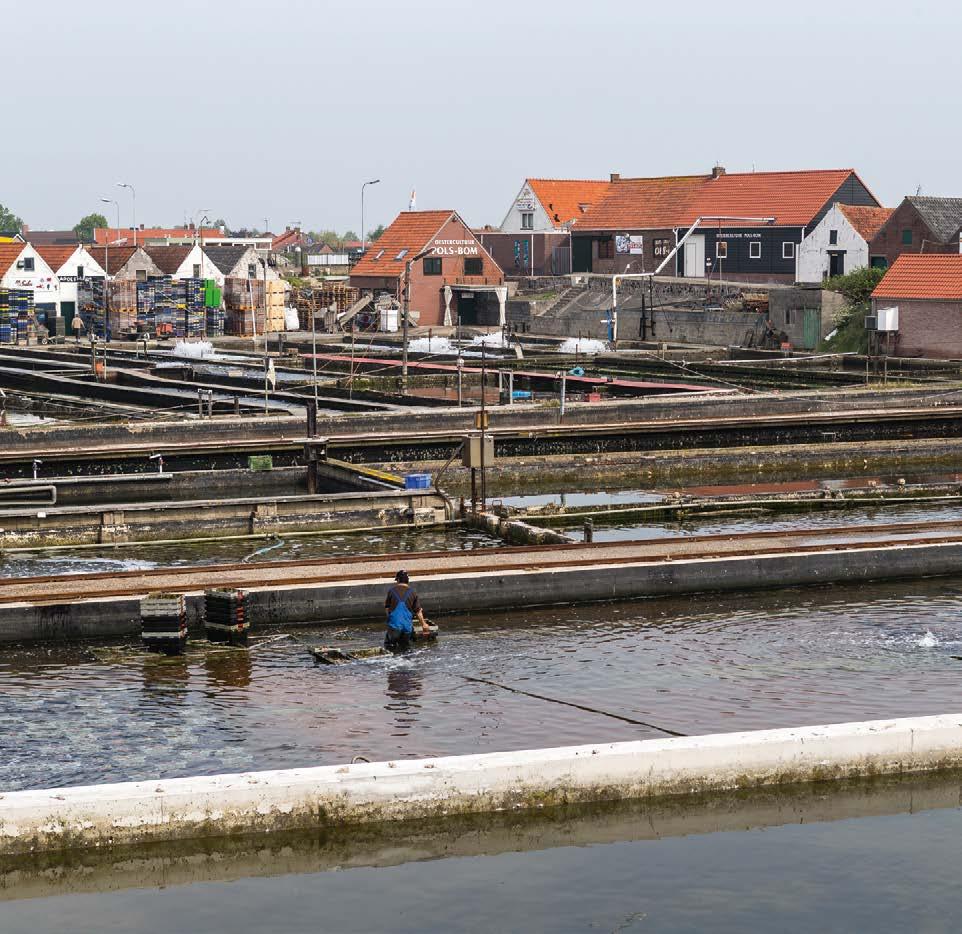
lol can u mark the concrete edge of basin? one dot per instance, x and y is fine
(273, 801)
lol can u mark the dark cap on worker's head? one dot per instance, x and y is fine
(402, 577)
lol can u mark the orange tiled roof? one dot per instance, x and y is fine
(56, 256)
(792, 198)
(643, 203)
(9, 254)
(411, 231)
(866, 221)
(563, 198)
(920, 275)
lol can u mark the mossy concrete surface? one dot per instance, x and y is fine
(362, 793)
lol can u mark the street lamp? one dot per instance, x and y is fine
(133, 195)
(373, 181)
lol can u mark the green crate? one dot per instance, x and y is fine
(260, 462)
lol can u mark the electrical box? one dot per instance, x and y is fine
(887, 319)
(471, 453)
(871, 322)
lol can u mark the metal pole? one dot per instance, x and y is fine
(561, 413)
(404, 327)
(314, 347)
(484, 418)
(264, 262)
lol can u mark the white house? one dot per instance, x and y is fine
(838, 244)
(547, 205)
(71, 264)
(22, 267)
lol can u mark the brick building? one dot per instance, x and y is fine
(457, 280)
(927, 290)
(918, 225)
(637, 223)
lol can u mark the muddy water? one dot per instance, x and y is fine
(757, 519)
(147, 555)
(717, 663)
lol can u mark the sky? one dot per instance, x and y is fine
(279, 110)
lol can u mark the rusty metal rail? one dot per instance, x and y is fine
(74, 588)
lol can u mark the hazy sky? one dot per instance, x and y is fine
(279, 109)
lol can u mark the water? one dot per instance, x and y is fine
(755, 519)
(179, 554)
(711, 664)
(609, 870)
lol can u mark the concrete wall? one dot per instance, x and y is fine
(258, 802)
(813, 258)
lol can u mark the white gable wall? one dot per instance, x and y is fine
(41, 279)
(813, 258)
(68, 278)
(196, 257)
(527, 203)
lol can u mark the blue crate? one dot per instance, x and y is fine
(417, 481)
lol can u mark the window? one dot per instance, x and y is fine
(473, 266)
(252, 270)
(527, 220)
(80, 272)
(879, 262)
(660, 246)
(402, 253)
(755, 249)
(833, 237)
(788, 316)
(721, 249)
(432, 265)
(196, 270)
(28, 264)
(606, 249)
(907, 237)
(141, 275)
(788, 249)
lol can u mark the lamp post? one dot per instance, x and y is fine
(107, 267)
(133, 195)
(373, 181)
(405, 312)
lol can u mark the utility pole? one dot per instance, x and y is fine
(484, 425)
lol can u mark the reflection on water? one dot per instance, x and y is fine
(691, 665)
(145, 556)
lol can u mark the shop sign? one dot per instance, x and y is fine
(634, 243)
(455, 248)
(737, 235)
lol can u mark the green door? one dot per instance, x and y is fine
(810, 328)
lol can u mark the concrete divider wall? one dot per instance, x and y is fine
(136, 812)
(446, 594)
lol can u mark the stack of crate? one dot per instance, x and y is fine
(21, 313)
(195, 310)
(6, 332)
(225, 616)
(244, 301)
(90, 305)
(276, 295)
(122, 309)
(163, 623)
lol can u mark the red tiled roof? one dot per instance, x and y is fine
(286, 239)
(917, 275)
(866, 221)
(124, 236)
(563, 198)
(792, 198)
(117, 256)
(643, 203)
(55, 256)
(168, 258)
(411, 231)
(9, 254)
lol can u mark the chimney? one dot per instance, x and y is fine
(616, 176)
(717, 171)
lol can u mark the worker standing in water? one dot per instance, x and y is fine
(401, 607)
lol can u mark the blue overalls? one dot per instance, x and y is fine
(400, 629)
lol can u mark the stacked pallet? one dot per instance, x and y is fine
(163, 623)
(244, 303)
(90, 306)
(320, 298)
(6, 332)
(122, 307)
(276, 296)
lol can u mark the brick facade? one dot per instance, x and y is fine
(888, 242)
(927, 328)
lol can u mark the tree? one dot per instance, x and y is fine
(84, 228)
(375, 234)
(9, 222)
(220, 223)
(349, 236)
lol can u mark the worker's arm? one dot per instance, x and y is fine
(424, 623)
